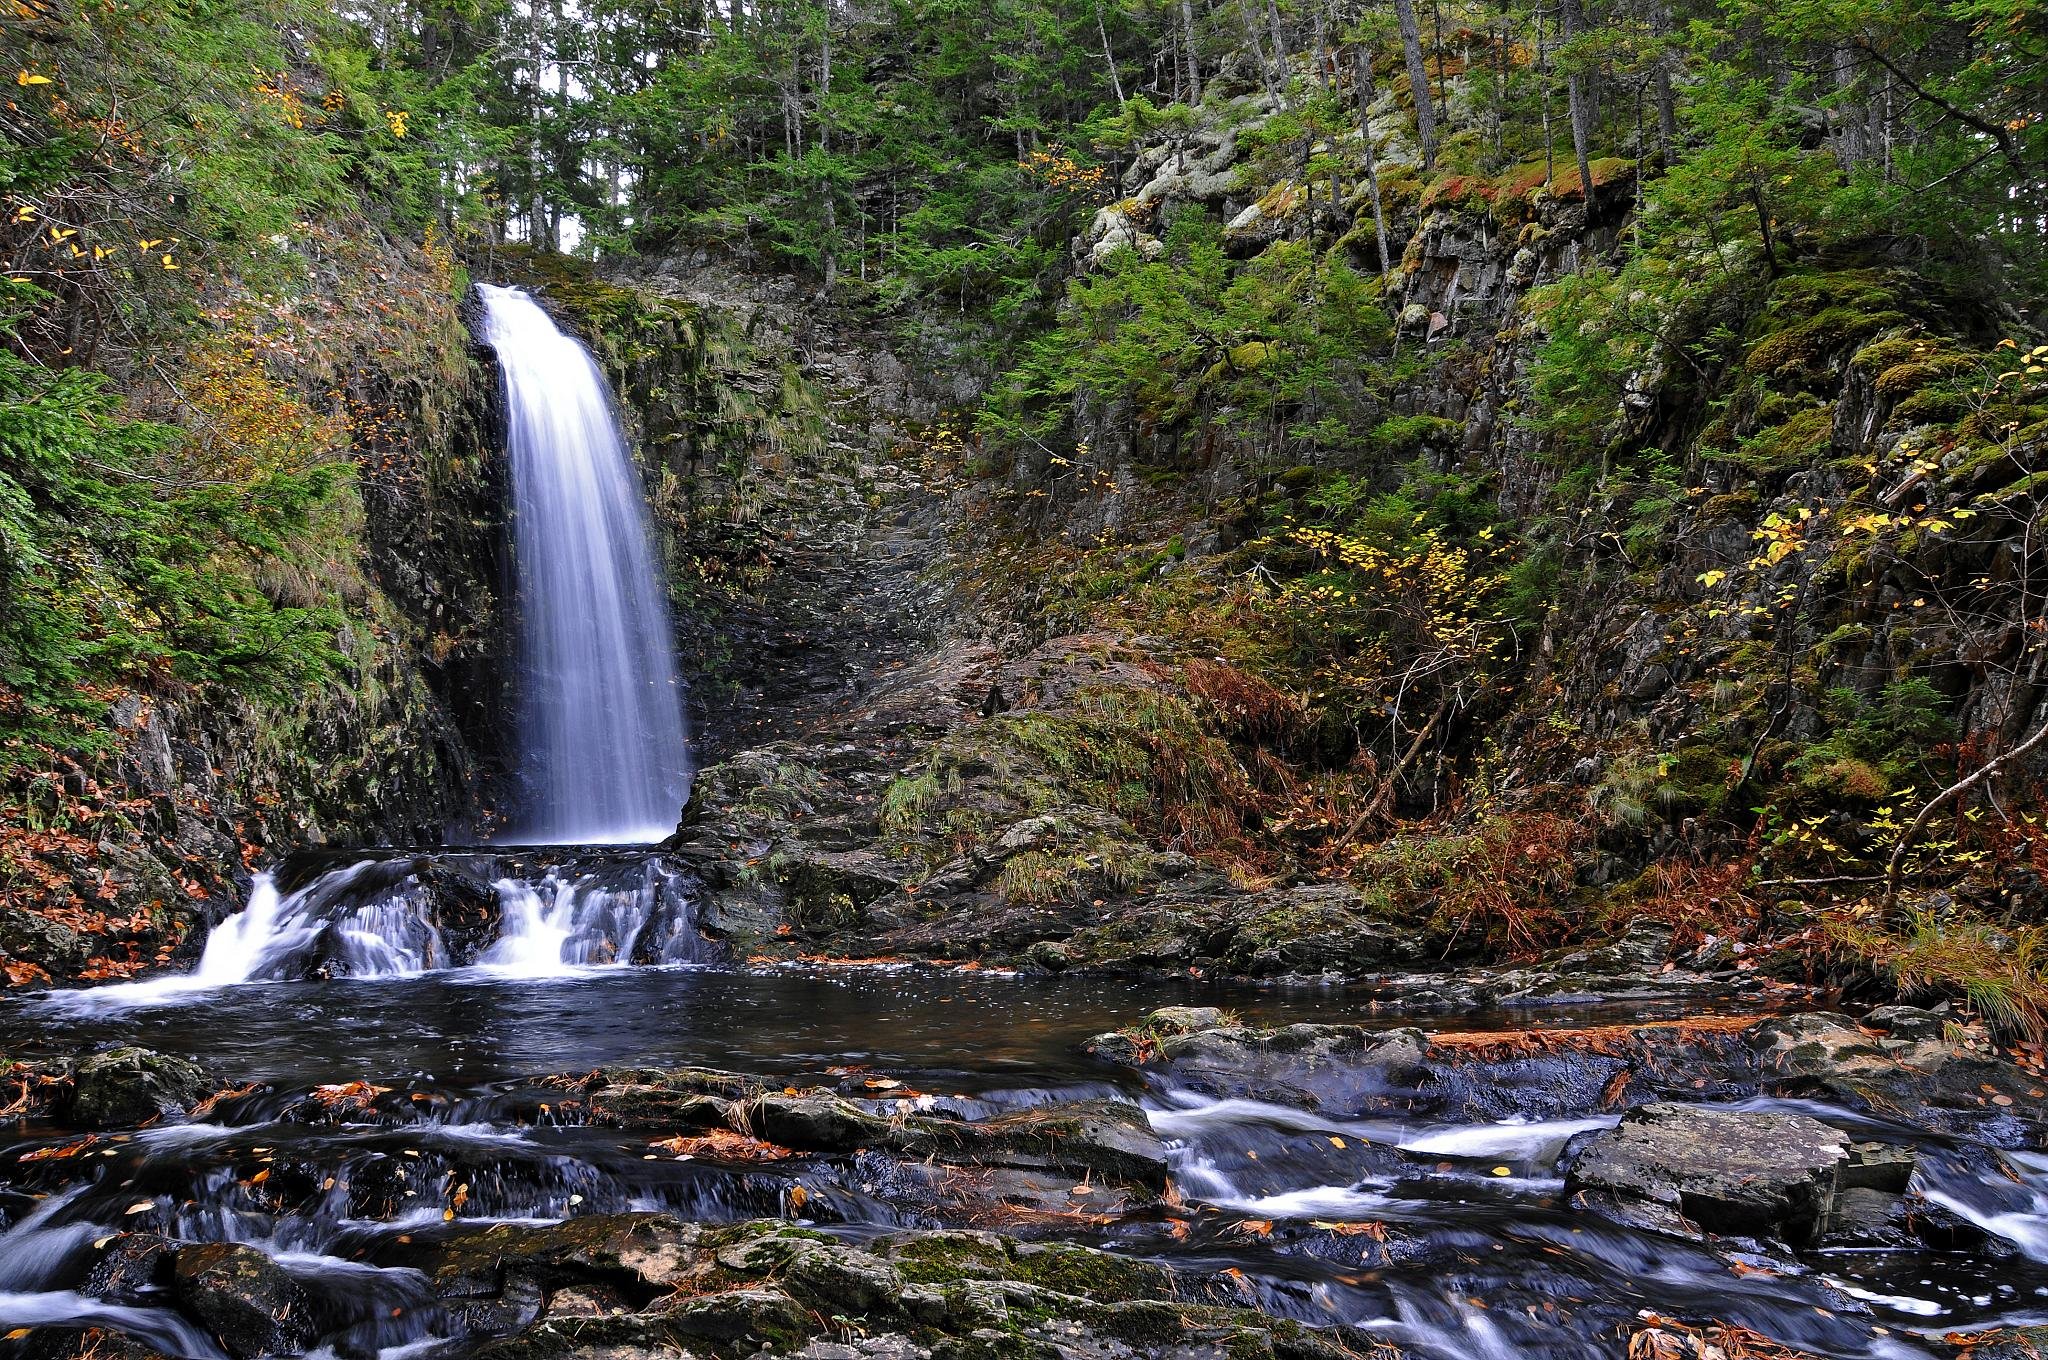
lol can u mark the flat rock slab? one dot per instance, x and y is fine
(1727, 1171)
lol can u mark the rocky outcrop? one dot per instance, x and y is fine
(1765, 1175)
(127, 1086)
(732, 1291)
(1948, 1085)
(119, 854)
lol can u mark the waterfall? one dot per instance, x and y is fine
(497, 915)
(602, 756)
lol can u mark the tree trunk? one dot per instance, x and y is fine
(1366, 95)
(1279, 44)
(831, 210)
(1116, 83)
(1187, 33)
(1543, 80)
(1251, 37)
(1578, 101)
(1763, 226)
(1418, 81)
(1961, 786)
(1667, 103)
(1847, 116)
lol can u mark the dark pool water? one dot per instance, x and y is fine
(471, 1025)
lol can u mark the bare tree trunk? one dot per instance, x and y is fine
(1436, 45)
(1847, 116)
(1317, 40)
(831, 211)
(1366, 95)
(1279, 43)
(1667, 104)
(1543, 79)
(1385, 796)
(1418, 81)
(1957, 789)
(1187, 33)
(1763, 226)
(1577, 100)
(1251, 37)
(1116, 82)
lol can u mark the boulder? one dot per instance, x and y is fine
(639, 1252)
(132, 1268)
(1728, 1171)
(1103, 1138)
(1931, 1081)
(1341, 1070)
(245, 1299)
(814, 1121)
(126, 1086)
(1182, 1019)
(50, 945)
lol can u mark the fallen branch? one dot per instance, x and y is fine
(1385, 794)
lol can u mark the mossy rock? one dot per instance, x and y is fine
(1792, 443)
(130, 1085)
(1806, 348)
(1846, 777)
(1931, 406)
(1880, 355)
(1607, 171)
(1903, 379)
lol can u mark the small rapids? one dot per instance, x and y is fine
(1472, 1248)
(1447, 1239)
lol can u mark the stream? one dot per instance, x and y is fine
(355, 1103)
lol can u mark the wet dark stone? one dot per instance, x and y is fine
(50, 945)
(245, 1299)
(1100, 1138)
(1338, 1069)
(132, 1269)
(815, 1121)
(1770, 1175)
(76, 1341)
(127, 1086)
(638, 1254)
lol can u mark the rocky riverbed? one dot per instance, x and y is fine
(1188, 1184)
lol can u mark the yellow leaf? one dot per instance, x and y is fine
(29, 78)
(150, 245)
(168, 264)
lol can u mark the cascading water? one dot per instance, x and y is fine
(602, 752)
(503, 916)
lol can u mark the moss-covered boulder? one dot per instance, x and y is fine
(129, 1085)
